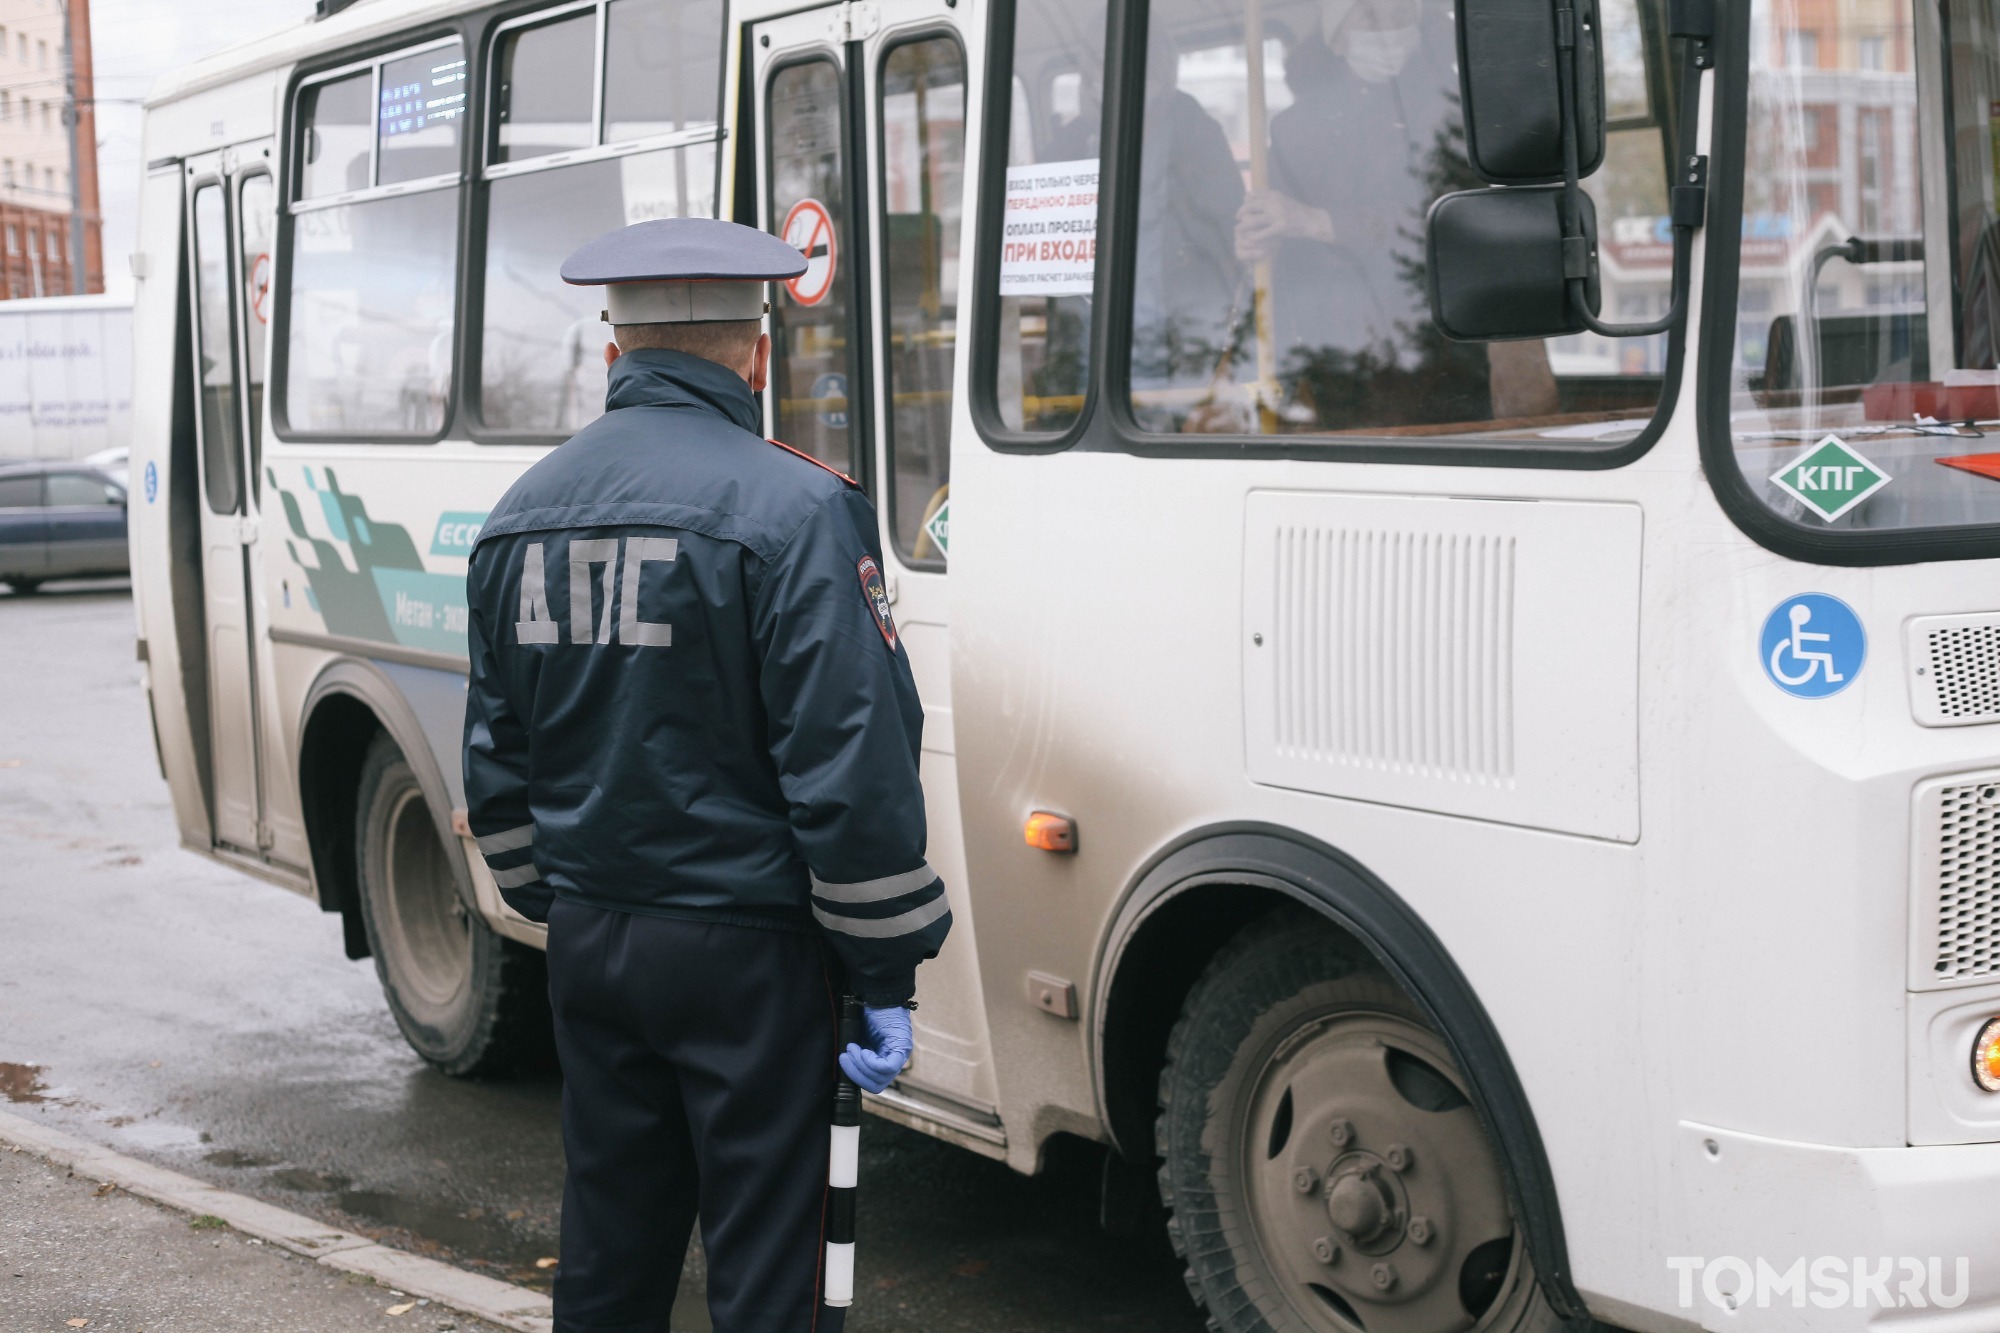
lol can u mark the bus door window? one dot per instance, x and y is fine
(923, 186)
(1049, 220)
(256, 221)
(541, 347)
(813, 366)
(373, 270)
(1290, 155)
(1869, 291)
(221, 459)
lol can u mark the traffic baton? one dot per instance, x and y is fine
(844, 1168)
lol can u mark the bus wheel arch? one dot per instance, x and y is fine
(1200, 894)
(477, 1009)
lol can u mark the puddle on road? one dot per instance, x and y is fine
(161, 1136)
(307, 1182)
(444, 1225)
(22, 1083)
(231, 1157)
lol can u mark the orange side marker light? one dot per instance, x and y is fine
(1051, 832)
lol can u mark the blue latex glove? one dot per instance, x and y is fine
(889, 1034)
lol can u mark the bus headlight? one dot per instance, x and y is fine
(1986, 1056)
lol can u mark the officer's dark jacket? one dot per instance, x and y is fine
(687, 696)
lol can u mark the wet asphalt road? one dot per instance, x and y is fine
(183, 1012)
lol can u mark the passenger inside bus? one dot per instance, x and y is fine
(1327, 199)
(1345, 171)
(1190, 300)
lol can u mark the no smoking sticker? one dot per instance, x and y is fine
(259, 283)
(809, 230)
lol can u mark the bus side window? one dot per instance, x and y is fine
(541, 345)
(923, 189)
(369, 320)
(336, 136)
(1048, 258)
(662, 71)
(1290, 154)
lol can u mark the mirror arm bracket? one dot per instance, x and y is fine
(1694, 20)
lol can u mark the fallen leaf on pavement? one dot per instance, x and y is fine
(102, 1190)
(545, 1263)
(77, 1323)
(154, 1065)
(971, 1268)
(404, 1308)
(886, 1283)
(515, 1215)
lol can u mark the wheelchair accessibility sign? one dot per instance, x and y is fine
(1813, 646)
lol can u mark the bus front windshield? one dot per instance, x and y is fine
(1866, 362)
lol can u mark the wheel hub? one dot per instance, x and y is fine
(1366, 1203)
(1370, 1204)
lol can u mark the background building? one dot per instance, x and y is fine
(37, 196)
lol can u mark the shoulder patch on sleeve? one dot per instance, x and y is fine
(815, 462)
(877, 597)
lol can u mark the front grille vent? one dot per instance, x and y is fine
(1954, 664)
(1968, 881)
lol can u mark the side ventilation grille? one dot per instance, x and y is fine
(1450, 655)
(1395, 651)
(1967, 919)
(1954, 665)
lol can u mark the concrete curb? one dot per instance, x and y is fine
(486, 1298)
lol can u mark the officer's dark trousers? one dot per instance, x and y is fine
(698, 1074)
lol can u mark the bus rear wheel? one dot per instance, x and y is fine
(468, 1000)
(1324, 1171)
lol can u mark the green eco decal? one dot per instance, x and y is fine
(386, 595)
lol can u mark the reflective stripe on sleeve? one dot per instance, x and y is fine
(513, 840)
(887, 927)
(515, 878)
(875, 890)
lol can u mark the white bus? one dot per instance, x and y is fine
(1510, 831)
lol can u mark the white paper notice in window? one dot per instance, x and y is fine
(1049, 229)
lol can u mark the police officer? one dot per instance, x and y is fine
(691, 748)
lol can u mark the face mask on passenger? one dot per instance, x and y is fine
(1377, 39)
(1380, 56)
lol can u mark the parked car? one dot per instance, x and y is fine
(115, 462)
(60, 521)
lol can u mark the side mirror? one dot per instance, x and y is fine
(1494, 260)
(1511, 95)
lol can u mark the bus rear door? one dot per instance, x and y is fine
(229, 204)
(861, 112)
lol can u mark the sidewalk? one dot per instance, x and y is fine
(77, 1254)
(80, 1241)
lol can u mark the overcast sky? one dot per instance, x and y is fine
(134, 43)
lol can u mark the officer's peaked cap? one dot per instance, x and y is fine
(683, 270)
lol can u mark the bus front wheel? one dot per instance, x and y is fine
(468, 1000)
(1324, 1171)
